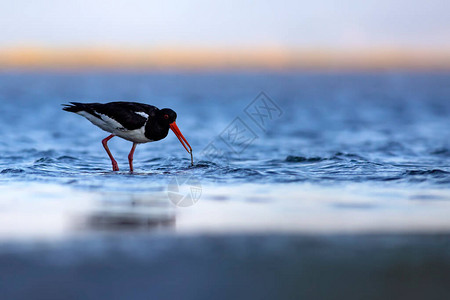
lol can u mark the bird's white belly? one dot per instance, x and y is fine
(114, 127)
(107, 126)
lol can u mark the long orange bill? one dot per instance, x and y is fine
(182, 139)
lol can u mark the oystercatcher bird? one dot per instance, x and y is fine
(136, 122)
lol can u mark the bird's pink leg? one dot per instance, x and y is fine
(130, 157)
(105, 145)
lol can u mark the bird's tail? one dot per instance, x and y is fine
(73, 107)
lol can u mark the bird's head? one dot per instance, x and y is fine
(168, 118)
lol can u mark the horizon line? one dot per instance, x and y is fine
(203, 58)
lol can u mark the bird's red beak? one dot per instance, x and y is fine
(180, 136)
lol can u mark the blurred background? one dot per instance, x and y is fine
(223, 34)
(339, 186)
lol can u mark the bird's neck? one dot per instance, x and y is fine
(154, 131)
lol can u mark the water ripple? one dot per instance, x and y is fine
(302, 159)
(332, 139)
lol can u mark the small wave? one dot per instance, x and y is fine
(44, 160)
(394, 178)
(426, 172)
(340, 155)
(302, 159)
(12, 171)
(67, 158)
(239, 172)
(441, 152)
(205, 164)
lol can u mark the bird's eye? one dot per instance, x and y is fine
(166, 117)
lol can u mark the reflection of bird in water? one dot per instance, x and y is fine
(132, 212)
(135, 122)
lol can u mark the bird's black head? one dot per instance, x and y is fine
(167, 116)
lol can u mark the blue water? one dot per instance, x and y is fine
(311, 184)
(385, 128)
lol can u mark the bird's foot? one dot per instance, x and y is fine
(115, 166)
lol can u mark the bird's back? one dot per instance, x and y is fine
(130, 115)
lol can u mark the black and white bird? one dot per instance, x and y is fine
(136, 122)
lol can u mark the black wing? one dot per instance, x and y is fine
(126, 113)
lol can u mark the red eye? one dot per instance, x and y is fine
(166, 117)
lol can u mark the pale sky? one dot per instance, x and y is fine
(198, 23)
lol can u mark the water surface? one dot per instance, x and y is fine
(351, 161)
